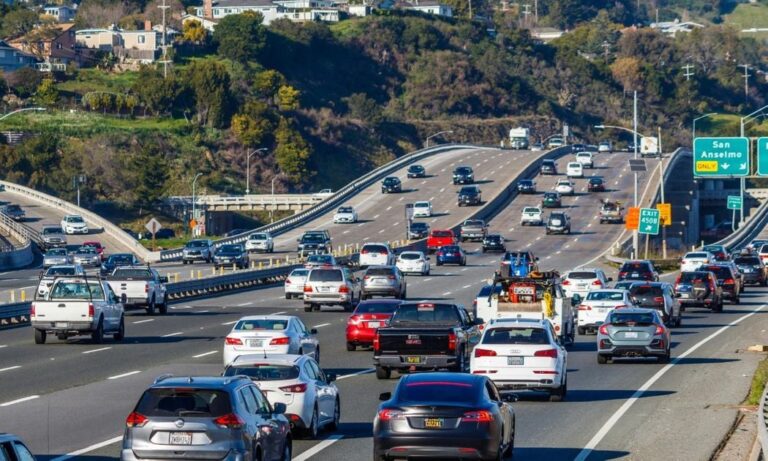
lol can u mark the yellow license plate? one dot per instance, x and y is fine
(413, 359)
(433, 423)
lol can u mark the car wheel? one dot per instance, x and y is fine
(287, 450)
(98, 335)
(288, 296)
(582, 331)
(311, 431)
(383, 373)
(40, 336)
(151, 307)
(334, 425)
(163, 307)
(602, 359)
(120, 334)
(307, 307)
(558, 395)
(316, 307)
(351, 347)
(665, 358)
(348, 307)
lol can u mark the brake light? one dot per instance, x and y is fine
(353, 320)
(566, 282)
(232, 341)
(136, 420)
(343, 289)
(659, 330)
(376, 344)
(551, 353)
(604, 329)
(287, 281)
(391, 277)
(658, 299)
(584, 307)
(146, 288)
(451, 341)
(91, 311)
(295, 388)
(281, 341)
(363, 251)
(230, 421)
(622, 274)
(477, 416)
(597, 283)
(388, 415)
(619, 306)
(307, 288)
(32, 310)
(728, 282)
(484, 353)
(383, 253)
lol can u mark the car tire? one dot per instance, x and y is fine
(351, 347)
(163, 307)
(40, 336)
(602, 359)
(97, 336)
(665, 358)
(120, 333)
(307, 307)
(383, 373)
(312, 430)
(316, 307)
(558, 395)
(287, 450)
(348, 307)
(151, 307)
(462, 365)
(288, 296)
(334, 424)
(582, 331)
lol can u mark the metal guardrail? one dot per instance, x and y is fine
(14, 314)
(277, 199)
(762, 423)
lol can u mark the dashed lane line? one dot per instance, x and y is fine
(321, 325)
(23, 399)
(230, 323)
(123, 375)
(330, 440)
(95, 350)
(9, 368)
(204, 354)
(245, 304)
(143, 321)
(175, 333)
(88, 449)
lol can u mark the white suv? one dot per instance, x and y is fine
(74, 224)
(261, 241)
(332, 286)
(376, 254)
(586, 160)
(574, 170)
(581, 281)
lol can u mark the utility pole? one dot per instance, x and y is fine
(164, 46)
(470, 10)
(635, 242)
(526, 14)
(606, 49)
(536, 12)
(746, 81)
(663, 224)
(688, 71)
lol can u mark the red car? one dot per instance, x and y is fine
(97, 245)
(366, 319)
(440, 238)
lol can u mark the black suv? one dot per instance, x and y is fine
(752, 269)
(596, 185)
(558, 223)
(727, 280)
(391, 184)
(548, 167)
(699, 289)
(416, 171)
(463, 175)
(470, 195)
(493, 242)
(526, 186)
(206, 418)
(638, 270)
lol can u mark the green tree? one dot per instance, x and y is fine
(150, 170)
(240, 37)
(157, 94)
(253, 124)
(209, 81)
(24, 81)
(288, 97)
(292, 153)
(364, 108)
(47, 94)
(18, 22)
(268, 82)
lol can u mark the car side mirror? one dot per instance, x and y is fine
(384, 396)
(123, 298)
(610, 279)
(279, 408)
(313, 331)
(478, 321)
(536, 258)
(330, 377)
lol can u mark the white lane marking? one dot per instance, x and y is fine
(576, 239)
(493, 261)
(143, 321)
(567, 246)
(465, 287)
(428, 279)
(321, 325)
(548, 257)
(423, 182)
(245, 304)
(431, 198)
(134, 372)
(576, 199)
(395, 224)
(361, 224)
(319, 447)
(465, 269)
(511, 229)
(584, 453)
(204, 354)
(23, 399)
(181, 307)
(203, 312)
(389, 207)
(365, 239)
(442, 190)
(175, 333)
(95, 350)
(277, 313)
(10, 368)
(85, 450)
(589, 225)
(376, 217)
(446, 293)
(538, 238)
(382, 231)
(357, 373)
(558, 252)
(230, 323)
(4, 345)
(530, 244)
(345, 232)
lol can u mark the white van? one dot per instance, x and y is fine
(575, 170)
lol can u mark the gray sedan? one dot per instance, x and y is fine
(633, 332)
(383, 281)
(55, 257)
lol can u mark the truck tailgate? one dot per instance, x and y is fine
(131, 288)
(401, 341)
(61, 311)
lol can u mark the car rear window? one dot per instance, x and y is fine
(696, 255)
(635, 267)
(197, 244)
(641, 290)
(441, 234)
(76, 290)
(516, 336)
(258, 237)
(531, 210)
(60, 271)
(376, 308)
(379, 271)
(230, 248)
(410, 256)
(171, 402)
(621, 318)
(747, 260)
(262, 324)
(764, 249)
(437, 391)
(120, 258)
(374, 249)
(693, 277)
(605, 296)
(264, 372)
(426, 313)
(132, 274)
(325, 275)
(585, 275)
(56, 252)
(720, 271)
(323, 259)
(421, 204)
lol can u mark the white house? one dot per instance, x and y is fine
(62, 13)
(295, 10)
(429, 7)
(673, 27)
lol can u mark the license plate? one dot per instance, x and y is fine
(324, 289)
(181, 438)
(685, 295)
(514, 360)
(413, 359)
(255, 343)
(582, 285)
(433, 423)
(62, 324)
(374, 324)
(630, 334)
(635, 274)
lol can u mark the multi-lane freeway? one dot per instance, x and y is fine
(72, 398)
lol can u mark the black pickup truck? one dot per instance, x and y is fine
(425, 336)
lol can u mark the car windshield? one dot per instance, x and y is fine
(320, 259)
(326, 275)
(437, 391)
(56, 252)
(76, 289)
(313, 238)
(258, 237)
(421, 204)
(74, 219)
(696, 256)
(463, 170)
(516, 335)
(345, 209)
(230, 249)
(391, 181)
(595, 181)
(619, 318)
(574, 165)
(493, 238)
(86, 250)
(51, 230)
(53, 271)
(441, 234)
(374, 249)
(563, 182)
(416, 168)
(419, 226)
(171, 402)
(747, 260)
(375, 307)
(550, 195)
(531, 210)
(262, 324)
(713, 248)
(380, 271)
(610, 207)
(197, 244)
(526, 182)
(299, 273)
(426, 313)
(605, 296)
(120, 259)
(582, 275)
(471, 222)
(584, 155)
(264, 372)
(133, 274)
(410, 256)
(635, 267)
(548, 163)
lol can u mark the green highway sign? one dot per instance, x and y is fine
(734, 202)
(762, 156)
(717, 157)
(649, 221)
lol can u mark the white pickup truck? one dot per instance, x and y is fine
(531, 215)
(78, 306)
(140, 287)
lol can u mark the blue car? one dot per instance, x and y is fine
(451, 254)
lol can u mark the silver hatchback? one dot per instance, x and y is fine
(633, 332)
(220, 418)
(383, 281)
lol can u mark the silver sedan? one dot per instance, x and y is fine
(55, 257)
(87, 256)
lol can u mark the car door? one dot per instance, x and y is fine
(493, 395)
(325, 392)
(472, 332)
(111, 308)
(308, 341)
(267, 430)
(249, 414)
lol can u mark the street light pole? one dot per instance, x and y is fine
(744, 120)
(426, 143)
(194, 210)
(248, 169)
(693, 131)
(635, 242)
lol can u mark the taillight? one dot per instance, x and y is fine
(364, 251)
(677, 281)
(584, 307)
(136, 420)
(478, 416)
(91, 311)
(388, 415)
(728, 282)
(551, 353)
(281, 341)
(353, 320)
(295, 388)
(230, 421)
(620, 306)
(383, 253)
(597, 283)
(32, 310)
(146, 288)
(232, 341)
(659, 330)
(343, 289)
(391, 277)
(658, 299)
(484, 353)
(307, 288)
(376, 344)
(622, 274)
(604, 329)
(287, 281)
(451, 341)
(566, 282)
